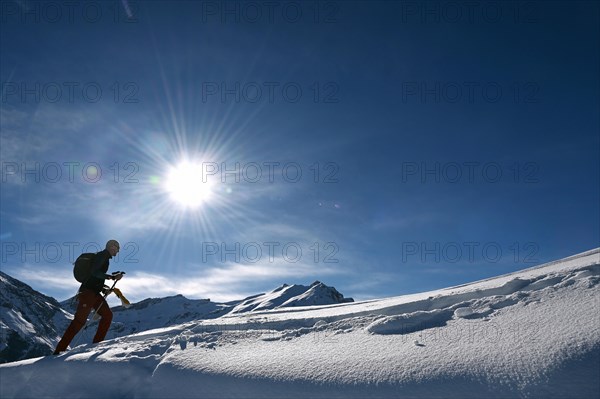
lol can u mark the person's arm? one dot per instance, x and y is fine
(97, 267)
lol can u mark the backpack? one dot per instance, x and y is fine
(82, 268)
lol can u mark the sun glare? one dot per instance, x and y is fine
(186, 186)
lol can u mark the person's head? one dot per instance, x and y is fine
(112, 246)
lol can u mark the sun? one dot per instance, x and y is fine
(186, 185)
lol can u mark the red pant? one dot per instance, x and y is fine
(88, 300)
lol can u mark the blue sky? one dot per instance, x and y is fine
(401, 146)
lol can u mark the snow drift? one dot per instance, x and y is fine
(533, 333)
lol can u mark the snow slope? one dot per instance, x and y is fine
(292, 295)
(534, 333)
(163, 312)
(30, 322)
(25, 330)
(160, 312)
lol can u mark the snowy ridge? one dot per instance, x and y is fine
(533, 333)
(30, 322)
(161, 312)
(25, 331)
(292, 295)
(164, 312)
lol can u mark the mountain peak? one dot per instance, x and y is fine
(34, 317)
(292, 295)
(30, 320)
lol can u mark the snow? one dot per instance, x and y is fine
(291, 295)
(463, 312)
(161, 312)
(16, 321)
(29, 321)
(533, 333)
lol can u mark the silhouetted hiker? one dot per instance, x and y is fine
(89, 297)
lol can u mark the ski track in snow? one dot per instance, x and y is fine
(534, 333)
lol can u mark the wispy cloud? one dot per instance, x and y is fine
(366, 288)
(47, 279)
(232, 281)
(44, 133)
(127, 8)
(11, 118)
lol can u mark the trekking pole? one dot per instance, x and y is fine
(102, 303)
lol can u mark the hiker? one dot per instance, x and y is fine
(90, 298)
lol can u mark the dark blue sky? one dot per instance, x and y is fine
(439, 142)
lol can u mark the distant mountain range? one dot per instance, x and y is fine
(31, 323)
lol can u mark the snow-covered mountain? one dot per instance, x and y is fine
(291, 295)
(30, 322)
(164, 312)
(145, 315)
(533, 333)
